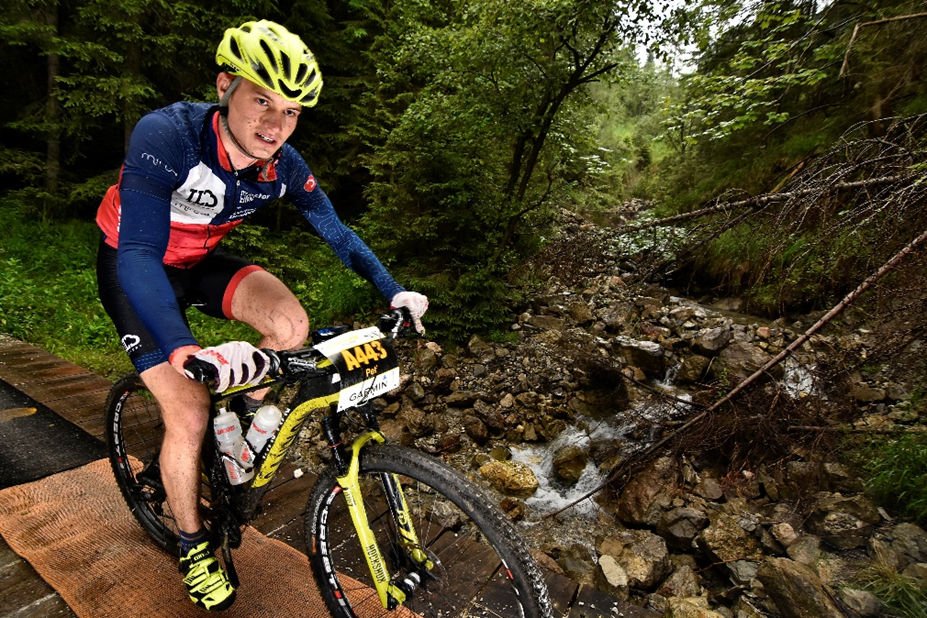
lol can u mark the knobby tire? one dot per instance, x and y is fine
(485, 569)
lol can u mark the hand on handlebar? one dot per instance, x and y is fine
(236, 363)
(416, 303)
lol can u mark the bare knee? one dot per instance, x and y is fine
(291, 328)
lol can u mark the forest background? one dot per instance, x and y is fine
(451, 133)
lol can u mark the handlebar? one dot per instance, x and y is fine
(397, 323)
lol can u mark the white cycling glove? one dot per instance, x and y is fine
(237, 363)
(416, 303)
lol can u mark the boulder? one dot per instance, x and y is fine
(569, 463)
(646, 495)
(796, 590)
(510, 477)
(843, 522)
(642, 555)
(680, 526)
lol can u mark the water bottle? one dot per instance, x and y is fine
(265, 423)
(237, 454)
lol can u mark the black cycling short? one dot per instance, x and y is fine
(208, 286)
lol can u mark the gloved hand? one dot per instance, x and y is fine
(416, 303)
(237, 363)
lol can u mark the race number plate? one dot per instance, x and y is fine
(367, 364)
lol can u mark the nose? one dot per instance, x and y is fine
(272, 120)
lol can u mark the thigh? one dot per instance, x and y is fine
(264, 302)
(230, 287)
(141, 347)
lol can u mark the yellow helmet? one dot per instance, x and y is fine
(269, 55)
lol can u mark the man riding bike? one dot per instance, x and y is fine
(194, 171)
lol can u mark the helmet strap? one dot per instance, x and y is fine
(224, 121)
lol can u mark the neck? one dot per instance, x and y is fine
(239, 156)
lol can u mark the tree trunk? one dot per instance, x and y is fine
(52, 116)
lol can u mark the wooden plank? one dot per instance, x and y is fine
(43, 369)
(283, 504)
(66, 387)
(23, 594)
(562, 591)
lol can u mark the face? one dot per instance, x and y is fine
(260, 119)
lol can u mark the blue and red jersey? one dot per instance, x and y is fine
(178, 196)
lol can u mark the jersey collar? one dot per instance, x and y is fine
(265, 169)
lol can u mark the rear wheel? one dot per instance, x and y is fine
(134, 431)
(482, 566)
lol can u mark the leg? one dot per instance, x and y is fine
(185, 410)
(267, 305)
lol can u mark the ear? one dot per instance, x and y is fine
(223, 81)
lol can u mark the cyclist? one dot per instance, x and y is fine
(193, 172)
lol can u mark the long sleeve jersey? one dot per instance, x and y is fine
(178, 196)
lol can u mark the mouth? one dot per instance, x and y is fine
(266, 139)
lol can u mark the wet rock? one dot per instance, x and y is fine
(642, 555)
(599, 403)
(510, 477)
(741, 359)
(692, 369)
(796, 590)
(710, 341)
(681, 525)
(860, 603)
(690, 607)
(843, 522)
(569, 463)
(646, 495)
(476, 429)
(648, 356)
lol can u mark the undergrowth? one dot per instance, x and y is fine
(48, 293)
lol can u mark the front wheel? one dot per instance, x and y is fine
(482, 566)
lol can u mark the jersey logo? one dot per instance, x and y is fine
(311, 184)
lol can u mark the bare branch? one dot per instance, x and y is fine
(878, 22)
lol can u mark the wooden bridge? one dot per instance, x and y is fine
(74, 397)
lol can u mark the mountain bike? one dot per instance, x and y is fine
(386, 526)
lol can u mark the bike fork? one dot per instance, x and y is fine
(391, 594)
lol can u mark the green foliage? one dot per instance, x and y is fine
(328, 290)
(902, 596)
(895, 473)
(48, 290)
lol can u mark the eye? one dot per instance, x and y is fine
(262, 101)
(291, 113)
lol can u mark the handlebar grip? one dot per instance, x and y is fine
(206, 373)
(398, 323)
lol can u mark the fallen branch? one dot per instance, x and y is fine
(758, 201)
(624, 467)
(878, 22)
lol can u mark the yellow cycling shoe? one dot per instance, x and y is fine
(206, 582)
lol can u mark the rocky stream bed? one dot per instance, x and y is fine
(594, 371)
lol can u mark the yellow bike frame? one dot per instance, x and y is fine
(390, 595)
